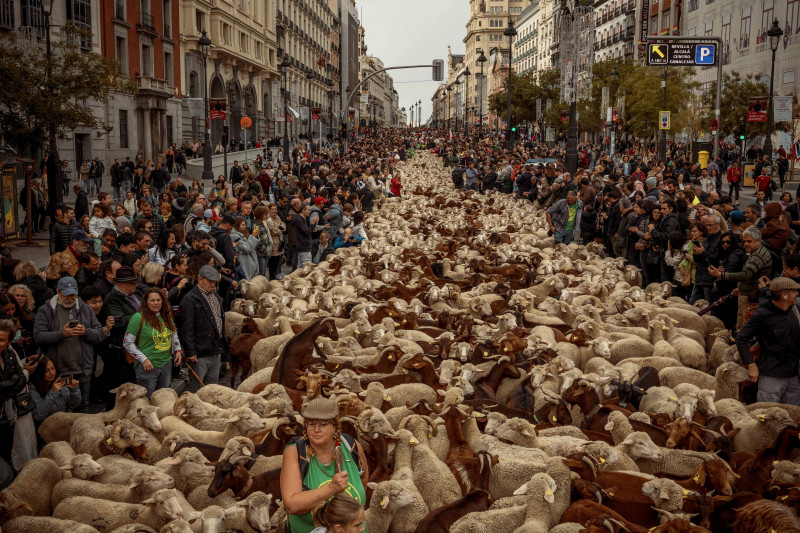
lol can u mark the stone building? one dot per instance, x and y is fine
(239, 73)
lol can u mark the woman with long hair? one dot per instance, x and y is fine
(60, 265)
(52, 394)
(152, 340)
(164, 248)
(276, 228)
(175, 281)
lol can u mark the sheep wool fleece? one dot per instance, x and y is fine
(320, 475)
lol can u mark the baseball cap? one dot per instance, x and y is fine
(737, 217)
(80, 235)
(209, 272)
(319, 200)
(68, 286)
(208, 213)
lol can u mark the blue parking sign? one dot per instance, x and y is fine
(704, 54)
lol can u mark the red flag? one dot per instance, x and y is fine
(321, 62)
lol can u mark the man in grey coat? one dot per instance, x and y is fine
(66, 329)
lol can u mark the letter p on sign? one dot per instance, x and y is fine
(704, 54)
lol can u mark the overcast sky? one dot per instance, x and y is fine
(414, 32)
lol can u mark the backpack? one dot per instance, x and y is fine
(302, 459)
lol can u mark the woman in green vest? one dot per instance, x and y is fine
(152, 339)
(325, 476)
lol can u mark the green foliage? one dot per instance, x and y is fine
(525, 90)
(736, 93)
(41, 95)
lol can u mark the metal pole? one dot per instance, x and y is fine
(509, 140)
(208, 173)
(768, 139)
(662, 147)
(466, 106)
(480, 127)
(285, 118)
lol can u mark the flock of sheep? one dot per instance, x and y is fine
(498, 383)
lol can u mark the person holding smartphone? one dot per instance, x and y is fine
(50, 393)
(66, 330)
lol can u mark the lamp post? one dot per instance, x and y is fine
(509, 32)
(284, 66)
(449, 90)
(330, 109)
(467, 74)
(662, 145)
(774, 34)
(614, 75)
(419, 113)
(457, 83)
(403, 110)
(204, 42)
(310, 77)
(481, 59)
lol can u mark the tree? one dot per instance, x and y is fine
(644, 97)
(44, 95)
(525, 90)
(694, 119)
(736, 93)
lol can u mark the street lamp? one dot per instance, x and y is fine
(419, 113)
(481, 59)
(662, 146)
(509, 32)
(330, 109)
(774, 35)
(204, 42)
(614, 75)
(284, 66)
(467, 74)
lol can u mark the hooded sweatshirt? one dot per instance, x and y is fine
(776, 232)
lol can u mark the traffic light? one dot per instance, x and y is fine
(438, 70)
(513, 123)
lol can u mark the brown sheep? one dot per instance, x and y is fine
(241, 346)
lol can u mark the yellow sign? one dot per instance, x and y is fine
(657, 54)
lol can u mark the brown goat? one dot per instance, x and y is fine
(766, 516)
(755, 472)
(439, 520)
(584, 511)
(298, 352)
(241, 346)
(711, 475)
(242, 484)
(461, 459)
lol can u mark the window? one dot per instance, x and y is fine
(665, 20)
(243, 42)
(169, 130)
(7, 14)
(123, 128)
(726, 39)
(766, 18)
(147, 60)
(709, 27)
(121, 51)
(792, 17)
(198, 21)
(32, 15)
(788, 77)
(226, 33)
(194, 85)
(167, 15)
(744, 35)
(692, 5)
(168, 67)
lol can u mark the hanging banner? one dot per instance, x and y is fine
(216, 108)
(783, 108)
(757, 109)
(8, 223)
(315, 113)
(645, 20)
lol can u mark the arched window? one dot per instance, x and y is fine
(194, 85)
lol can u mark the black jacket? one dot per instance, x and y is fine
(12, 380)
(367, 200)
(669, 225)
(778, 335)
(85, 278)
(41, 292)
(59, 237)
(81, 205)
(198, 328)
(709, 257)
(302, 234)
(224, 245)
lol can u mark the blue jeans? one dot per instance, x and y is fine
(564, 236)
(95, 184)
(783, 390)
(302, 257)
(117, 192)
(207, 369)
(701, 291)
(126, 186)
(159, 378)
(262, 265)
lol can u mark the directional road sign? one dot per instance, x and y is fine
(681, 54)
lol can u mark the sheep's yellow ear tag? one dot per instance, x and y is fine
(548, 496)
(696, 478)
(611, 494)
(673, 398)
(686, 492)
(391, 357)
(405, 371)
(172, 447)
(337, 366)
(602, 460)
(108, 440)
(384, 503)
(388, 398)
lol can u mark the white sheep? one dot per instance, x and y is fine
(143, 485)
(80, 466)
(110, 515)
(242, 422)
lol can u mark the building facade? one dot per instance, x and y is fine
(239, 73)
(526, 51)
(144, 36)
(743, 27)
(488, 20)
(615, 29)
(377, 94)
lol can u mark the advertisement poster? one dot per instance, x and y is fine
(8, 229)
(749, 175)
(757, 109)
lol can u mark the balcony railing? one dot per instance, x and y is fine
(148, 83)
(744, 51)
(147, 21)
(762, 46)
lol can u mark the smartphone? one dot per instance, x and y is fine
(72, 323)
(696, 243)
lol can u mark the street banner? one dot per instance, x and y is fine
(216, 108)
(604, 98)
(757, 109)
(315, 113)
(783, 108)
(645, 20)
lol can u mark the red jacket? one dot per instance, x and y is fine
(762, 183)
(734, 175)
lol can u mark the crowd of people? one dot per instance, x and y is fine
(139, 279)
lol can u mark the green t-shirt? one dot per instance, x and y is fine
(320, 475)
(156, 344)
(573, 213)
